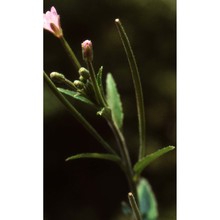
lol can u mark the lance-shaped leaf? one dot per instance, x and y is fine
(147, 200)
(75, 95)
(143, 163)
(114, 101)
(110, 157)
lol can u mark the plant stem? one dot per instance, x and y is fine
(70, 53)
(78, 116)
(125, 156)
(70, 84)
(118, 135)
(134, 206)
(116, 131)
(137, 86)
(98, 95)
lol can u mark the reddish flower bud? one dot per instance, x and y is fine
(87, 51)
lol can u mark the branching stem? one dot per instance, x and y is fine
(78, 116)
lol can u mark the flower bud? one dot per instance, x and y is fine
(82, 79)
(78, 84)
(84, 73)
(57, 77)
(87, 51)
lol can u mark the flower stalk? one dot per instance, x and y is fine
(52, 24)
(60, 78)
(70, 53)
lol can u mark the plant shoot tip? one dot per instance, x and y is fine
(117, 20)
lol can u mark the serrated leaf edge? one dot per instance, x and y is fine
(116, 122)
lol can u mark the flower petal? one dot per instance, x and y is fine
(53, 10)
(52, 22)
(46, 23)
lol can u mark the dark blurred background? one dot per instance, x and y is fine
(94, 189)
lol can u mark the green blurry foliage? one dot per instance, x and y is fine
(147, 200)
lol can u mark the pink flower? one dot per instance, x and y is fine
(87, 51)
(52, 22)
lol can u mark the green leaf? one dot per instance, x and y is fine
(147, 200)
(114, 101)
(143, 163)
(76, 95)
(110, 157)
